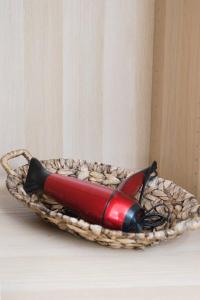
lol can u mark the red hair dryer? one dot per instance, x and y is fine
(115, 209)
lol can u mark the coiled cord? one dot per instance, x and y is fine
(152, 218)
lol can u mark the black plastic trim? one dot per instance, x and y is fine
(132, 219)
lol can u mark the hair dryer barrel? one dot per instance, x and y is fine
(94, 203)
(85, 199)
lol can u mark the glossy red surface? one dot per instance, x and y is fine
(94, 203)
(116, 210)
(132, 184)
(84, 198)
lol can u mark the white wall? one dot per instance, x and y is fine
(75, 78)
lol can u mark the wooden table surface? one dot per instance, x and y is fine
(38, 261)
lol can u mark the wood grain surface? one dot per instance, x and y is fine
(38, 261)
(107, 78)
(127, 81)
(175, 134)
(76, 79)
(12, 113)
(43, 77)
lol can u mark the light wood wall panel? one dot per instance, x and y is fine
(11, 76)
(43, 77)
(175, 138)
(127, 82)
(107, 79)
(83, 30)
(76, 78)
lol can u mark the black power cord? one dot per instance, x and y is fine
(152, 218)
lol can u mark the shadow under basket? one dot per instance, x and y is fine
(184, 207)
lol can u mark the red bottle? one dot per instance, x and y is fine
(95, 203)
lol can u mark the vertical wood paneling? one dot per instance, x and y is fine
(107, 80)
(76, 78)
(83, 23)
(175, 140)
(43, 77)
(127, 81)
(11, 76)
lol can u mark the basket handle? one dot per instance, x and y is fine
(15, 153)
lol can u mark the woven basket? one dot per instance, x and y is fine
(184, 207)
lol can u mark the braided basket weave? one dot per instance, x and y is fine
(184, 207)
